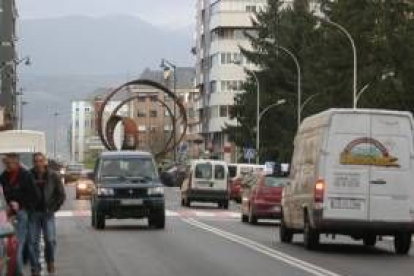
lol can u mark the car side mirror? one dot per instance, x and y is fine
(6, 230)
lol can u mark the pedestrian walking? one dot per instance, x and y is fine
(22, 197)
(52, 197)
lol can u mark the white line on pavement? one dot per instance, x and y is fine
(275, 254)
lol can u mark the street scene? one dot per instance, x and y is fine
(200, 137)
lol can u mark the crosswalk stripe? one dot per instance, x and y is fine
(168, 213)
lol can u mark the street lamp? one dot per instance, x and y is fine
(365, 88)
(55, 116)
(264, 111)
(22, 104)
(239, 62)
(354, 51)
(167, 65)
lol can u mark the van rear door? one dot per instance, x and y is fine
(390, 177)
(346, 179)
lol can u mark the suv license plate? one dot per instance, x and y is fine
(131, 202)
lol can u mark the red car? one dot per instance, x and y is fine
(8, 241)
(236, 189)
(261, 198)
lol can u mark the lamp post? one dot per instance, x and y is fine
(22, 104)
(254, 74)
(299, 78)
(55, 116)
(279, 102)
(167, 65)
(354, 52)
(365, 88)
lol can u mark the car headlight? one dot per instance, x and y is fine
(105, 192)
(62, 171)
(82, 186)
(156, 191)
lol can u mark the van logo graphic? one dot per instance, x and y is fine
(367, 151)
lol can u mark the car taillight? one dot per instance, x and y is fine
(319, 191)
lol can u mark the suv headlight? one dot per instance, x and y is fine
(106, 192)
(156, 191)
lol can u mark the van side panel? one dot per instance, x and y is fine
(346, 184)
(391, 179)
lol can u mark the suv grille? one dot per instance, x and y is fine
(130, 192)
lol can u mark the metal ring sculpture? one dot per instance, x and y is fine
(107, 138)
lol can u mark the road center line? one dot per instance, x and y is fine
(275, 254)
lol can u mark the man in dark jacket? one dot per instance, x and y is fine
(52, 196)
(22, 197)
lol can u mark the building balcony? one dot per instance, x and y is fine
(229, 19)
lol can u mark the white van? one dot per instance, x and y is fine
(206, 181)
(352, 174)
(23, 142)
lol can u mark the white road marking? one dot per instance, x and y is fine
(169, 213)
(275, 254)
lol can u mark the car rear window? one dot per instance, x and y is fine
(275, 181)
(204, 171)
(232, 171)
(219, 172)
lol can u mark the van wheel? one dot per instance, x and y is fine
(99, 221)
(285, 234)
(252, 217)
(244, 218)
(157, 219)
(225, 205)
(402, 243)
(370, 240)
(93, 219)
(182, 202)
(310, 235)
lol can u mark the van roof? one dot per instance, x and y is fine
(323, 118)
(208, 160)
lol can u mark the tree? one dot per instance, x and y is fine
(383, 31)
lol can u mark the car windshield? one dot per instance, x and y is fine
(128, 168)
(232, 171)
(271, 181)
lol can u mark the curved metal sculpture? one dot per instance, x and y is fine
(130, 128)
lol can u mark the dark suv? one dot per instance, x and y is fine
(127, 186)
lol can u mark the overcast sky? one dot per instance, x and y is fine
(174, 13)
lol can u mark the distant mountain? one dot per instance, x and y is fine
(116, 44)
(73, 56)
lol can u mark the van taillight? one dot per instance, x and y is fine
(319, 191)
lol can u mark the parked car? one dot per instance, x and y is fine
(236, 174)
(8, 241)
(85, 185)
(173, 176)
(207, 181)
(127, 186)
(262, 197)
(73, 172)
(352, 174)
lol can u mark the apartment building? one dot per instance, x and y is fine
(8, 55)
(220, 32)
(153, 119)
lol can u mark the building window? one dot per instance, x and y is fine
(154, 98)
(141, 114)
(223, 111)
(213, 86)
(214, 112)
(142, 99)
(142, 129)
(153, 113)
(251, 8)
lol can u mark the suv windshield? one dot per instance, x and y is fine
(128, 168)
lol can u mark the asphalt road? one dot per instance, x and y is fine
(204, 241)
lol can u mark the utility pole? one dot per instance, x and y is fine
(55, 115)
